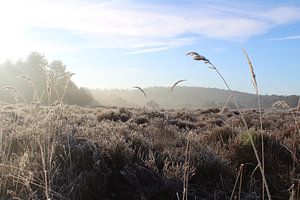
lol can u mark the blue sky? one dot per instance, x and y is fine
(123, 43)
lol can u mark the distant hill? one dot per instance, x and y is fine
(185, 97)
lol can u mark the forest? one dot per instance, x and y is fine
(35, 80)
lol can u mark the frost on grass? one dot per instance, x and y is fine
(71, 152)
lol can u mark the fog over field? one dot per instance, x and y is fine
(185, 97)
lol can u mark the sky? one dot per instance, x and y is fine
(126, 43)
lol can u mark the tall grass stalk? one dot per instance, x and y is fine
(68, 79)
(224, 107)
(255, 86)
(48, 92)
(143, 92)
(28, 79)
(15, 93)
(239, 177)
(54, 86)
(176, 83)
(43, 156)
(168, 100)
(294, 153)
(172, 88)
(196, 56)
(187, 160)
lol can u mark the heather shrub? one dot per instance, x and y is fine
(71, 152)
(278, 163)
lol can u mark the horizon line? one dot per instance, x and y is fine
(185, 86)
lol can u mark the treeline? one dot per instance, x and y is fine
(35, 80)
(187, 97)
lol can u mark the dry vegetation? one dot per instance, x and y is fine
(71, 152)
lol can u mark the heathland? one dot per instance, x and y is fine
(72, 152)
(58, 142)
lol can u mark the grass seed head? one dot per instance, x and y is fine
(280, 105)
(196, 56)
(140, 89)
(177, 82)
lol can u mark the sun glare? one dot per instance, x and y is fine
(13, 22)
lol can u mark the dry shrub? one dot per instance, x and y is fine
(213, 176)
(220, 134)
(114, 116)
(210, 111)
(141, 120)
(186, 116)
(92, 154)
(278, 164)
(108, 172)
(182, 124)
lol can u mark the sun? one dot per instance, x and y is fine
(14, 24)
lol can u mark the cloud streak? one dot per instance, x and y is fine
(293, 37)
(142, 27)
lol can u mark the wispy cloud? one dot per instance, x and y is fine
(139, 27)
(281, 15)
(156, 45)
(157, 49)
(293, 37)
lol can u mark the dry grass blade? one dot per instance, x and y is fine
(48, 92)
(140, 89)
(239, 176)
(8, 88)
(254, 82)
(68, 79)
(224, 107)
(15, 93)
(48, 88)
(54, 87)
(27, 78)
(177, 84)
(187, 160)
